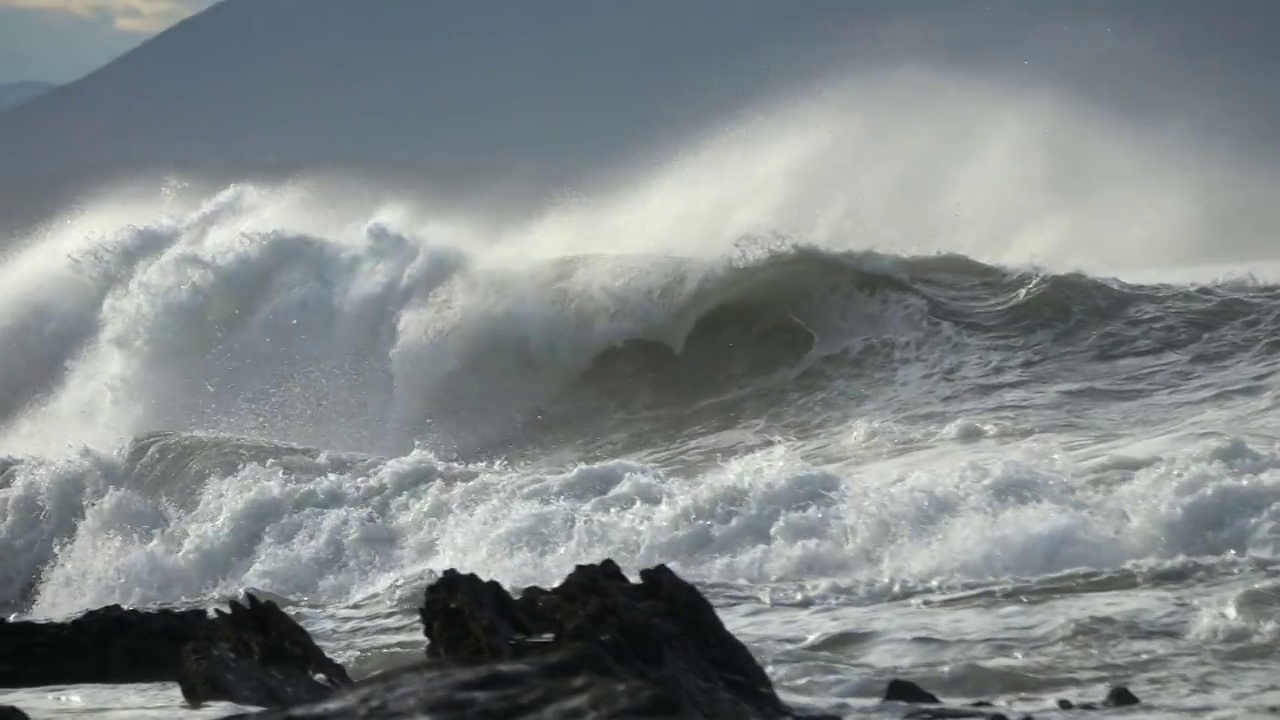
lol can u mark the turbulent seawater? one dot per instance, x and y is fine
(1000, 482)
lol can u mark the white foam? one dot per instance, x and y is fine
(763, 518)
(1249, 616)
(43, 506)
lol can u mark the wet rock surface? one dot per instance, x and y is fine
(111, 645)
(907, 692)
(660, 631)
(257, 655)
(568, 685)
(254, 655)
(596, 646)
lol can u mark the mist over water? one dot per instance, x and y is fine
(919, 161)
(903, 335)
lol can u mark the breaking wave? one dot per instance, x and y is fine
(366, 338)
(330, 408)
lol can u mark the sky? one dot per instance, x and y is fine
(61, 40)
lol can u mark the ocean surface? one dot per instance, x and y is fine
(996, 479)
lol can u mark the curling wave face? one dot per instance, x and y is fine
(371, 339)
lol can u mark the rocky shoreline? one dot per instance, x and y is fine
(597, 645)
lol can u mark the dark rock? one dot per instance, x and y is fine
(908, 692)
(596, 646)
(257, 655)
(110, 645)
(9, 712)
(469, 620)
(213, 673)
(567, 684)
(905, 691)
(660, 631)
(1120, 697)
(253, 655)
(901, 690)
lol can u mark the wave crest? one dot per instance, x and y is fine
(362, 337)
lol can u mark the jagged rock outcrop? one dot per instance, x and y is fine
(257, 655)
(253, 655)
(598, 645)
(660, 631)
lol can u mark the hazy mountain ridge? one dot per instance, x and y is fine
(559, 87)
(495, 95)
(400, 82)
(21, 92)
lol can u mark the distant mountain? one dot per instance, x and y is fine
(416, 82)
(562, 88)
(17, 93)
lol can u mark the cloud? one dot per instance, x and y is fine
(135, 16)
